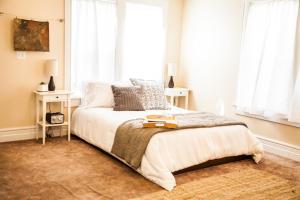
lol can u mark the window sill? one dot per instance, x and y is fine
(269, 119)
(75, 100)
(76, 97)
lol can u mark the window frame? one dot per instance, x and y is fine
(268, 119)
(67, 45)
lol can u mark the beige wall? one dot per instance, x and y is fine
(174, 28)
(18, 78)
(211, 40)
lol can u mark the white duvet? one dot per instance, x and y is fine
(169, 151)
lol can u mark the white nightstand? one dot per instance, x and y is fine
(47, 97)
(175, 93)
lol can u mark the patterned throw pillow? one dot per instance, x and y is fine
(127, 98)
(153, 97)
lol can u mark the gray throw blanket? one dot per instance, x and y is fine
(131, 138)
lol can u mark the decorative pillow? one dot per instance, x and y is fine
(97, 94)
(153, 97)
(127, 98)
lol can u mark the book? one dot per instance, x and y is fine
(158, 118)
(160, 121)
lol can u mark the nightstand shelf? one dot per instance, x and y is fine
(51, 125)
(42, 98)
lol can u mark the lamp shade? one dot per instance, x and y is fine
(171, 69)
(51, 67)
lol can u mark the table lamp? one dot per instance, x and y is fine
(171, 73)
(51, 67)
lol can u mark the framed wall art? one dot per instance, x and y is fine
(30, 35)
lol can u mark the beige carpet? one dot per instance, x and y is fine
(77, 170)
(244, 184)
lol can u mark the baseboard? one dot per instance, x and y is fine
(280, 148)
(22, 133)
(15, 134)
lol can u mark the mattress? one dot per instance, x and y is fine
(169, 151)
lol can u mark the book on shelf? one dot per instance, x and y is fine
(160, 121)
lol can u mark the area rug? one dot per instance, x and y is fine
(243, 184)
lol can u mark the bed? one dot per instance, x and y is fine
(170, 151)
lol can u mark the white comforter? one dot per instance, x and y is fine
(169, 151)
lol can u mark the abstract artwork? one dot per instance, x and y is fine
(31, 35)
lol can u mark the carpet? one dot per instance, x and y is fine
(243, 184)
(76, 170)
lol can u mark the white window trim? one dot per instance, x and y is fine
(269, 119)
(67, 37)
(75, 98)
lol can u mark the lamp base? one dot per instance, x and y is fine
(171, 83)
(51, 85)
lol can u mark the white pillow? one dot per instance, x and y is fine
(99, 94)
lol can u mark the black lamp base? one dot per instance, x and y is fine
(171, 83)
(51, 85)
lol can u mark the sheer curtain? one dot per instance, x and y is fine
(266, 78)
(143, 41)
(93, 41)
(117, 42)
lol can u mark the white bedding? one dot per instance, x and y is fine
(169, 151)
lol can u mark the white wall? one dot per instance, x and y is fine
(211, 40)
(210, 51)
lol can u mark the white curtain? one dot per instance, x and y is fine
(143, 42)
(93, 41)
(266, 78)
(103, 49)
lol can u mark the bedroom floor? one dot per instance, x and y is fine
(77, 170)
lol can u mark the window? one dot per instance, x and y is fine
(143, 42)
(93, 41)
(110, 42)
(267, 85)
